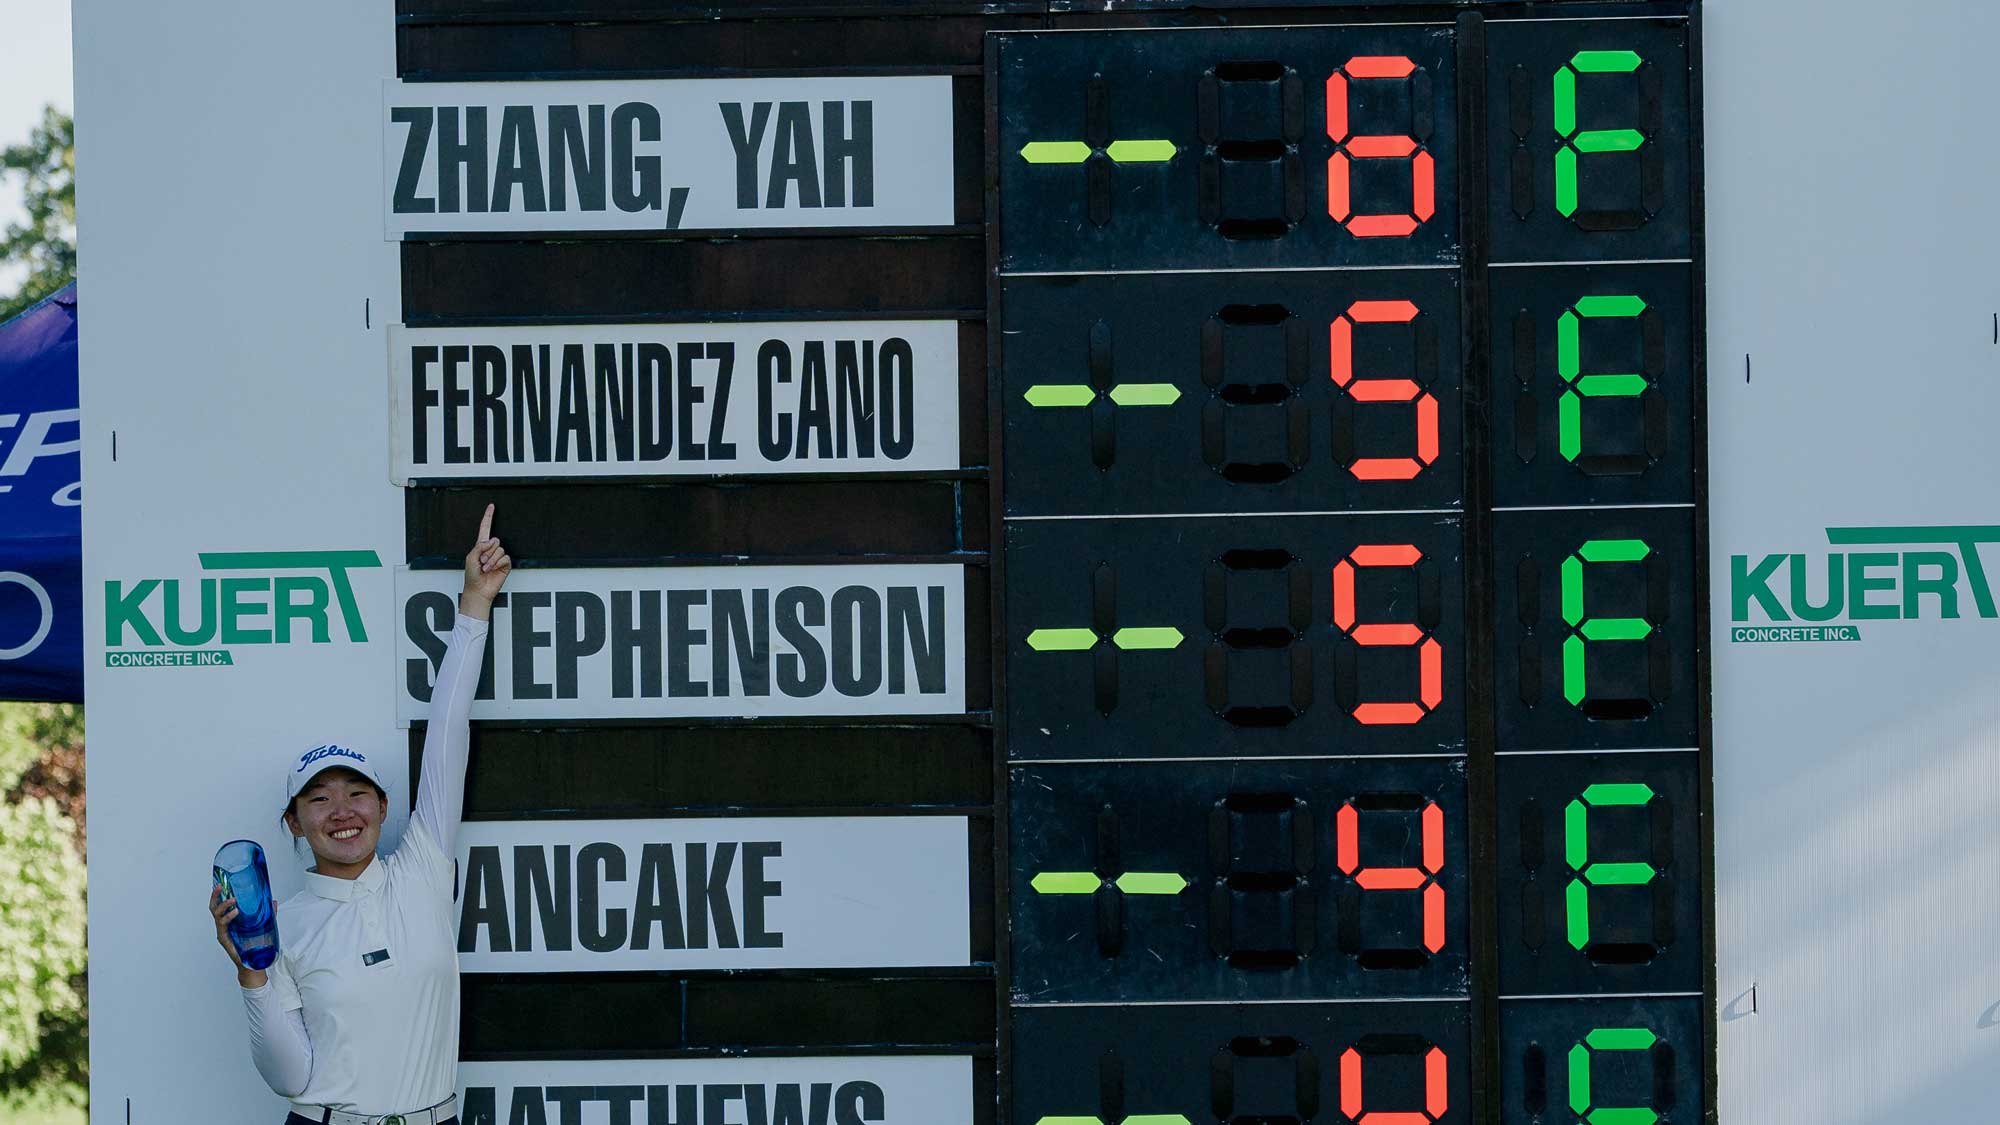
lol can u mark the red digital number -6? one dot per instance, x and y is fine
(1395, 146)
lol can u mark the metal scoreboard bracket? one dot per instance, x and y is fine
(1351, 503)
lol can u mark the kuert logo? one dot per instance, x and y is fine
(256, 598)
(1896, 574)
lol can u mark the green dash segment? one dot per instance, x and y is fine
(1140, 152)
(1611, 386)
(1576, 847)
(1620, 1039)
(1569, 429)
(1151, 883)
(1066, 882)
(1055, 152)
(1618, 793)
(1619, 874)
(1061, 640)
(1614, 550)
(1609, 140)
(1606, 62)
(1145, 394)
(1610, 306)
(1616, 629)
(1579, 1078)
(1147, 637)
(1576, 908)
(1059, 394)
(1574, 670)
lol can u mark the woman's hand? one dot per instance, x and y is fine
(486, 570)
(224, 912)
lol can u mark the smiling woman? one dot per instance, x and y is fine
(338, 813)
(357, 1020)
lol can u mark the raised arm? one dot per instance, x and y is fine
(441, 789)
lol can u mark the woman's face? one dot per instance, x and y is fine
(340, 815)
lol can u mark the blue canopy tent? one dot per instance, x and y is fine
(41, 505)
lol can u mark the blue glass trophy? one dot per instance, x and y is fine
(239, 871)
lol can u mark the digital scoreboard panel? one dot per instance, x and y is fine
(1353, 589)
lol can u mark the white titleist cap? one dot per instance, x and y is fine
(301, 770)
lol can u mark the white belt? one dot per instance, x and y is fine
(435, 1115)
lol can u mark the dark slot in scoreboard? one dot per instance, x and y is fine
(1349, 380)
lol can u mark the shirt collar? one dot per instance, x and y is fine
(343, 890)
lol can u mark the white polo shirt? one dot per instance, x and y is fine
(373, 961)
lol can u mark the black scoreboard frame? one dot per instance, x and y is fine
(1477, 442)
(906, 765)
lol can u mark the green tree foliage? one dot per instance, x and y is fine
(46, 242)
(43, 1019)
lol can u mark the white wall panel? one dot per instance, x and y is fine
(229, 195)
(1851, 257)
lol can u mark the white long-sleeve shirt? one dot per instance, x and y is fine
(361, 1009)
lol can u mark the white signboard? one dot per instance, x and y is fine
(876, 1089)
(1853, 620)
(674, 399)
(700, 642)
(725, 893)
(677, 154)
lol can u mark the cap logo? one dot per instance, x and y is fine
(314, 755)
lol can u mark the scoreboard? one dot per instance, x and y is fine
(1351, 570)
(1079, 562)
(1117, 567)
(1201, 623)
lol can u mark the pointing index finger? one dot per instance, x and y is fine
(486, 524)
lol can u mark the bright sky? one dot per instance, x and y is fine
(34, 72)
